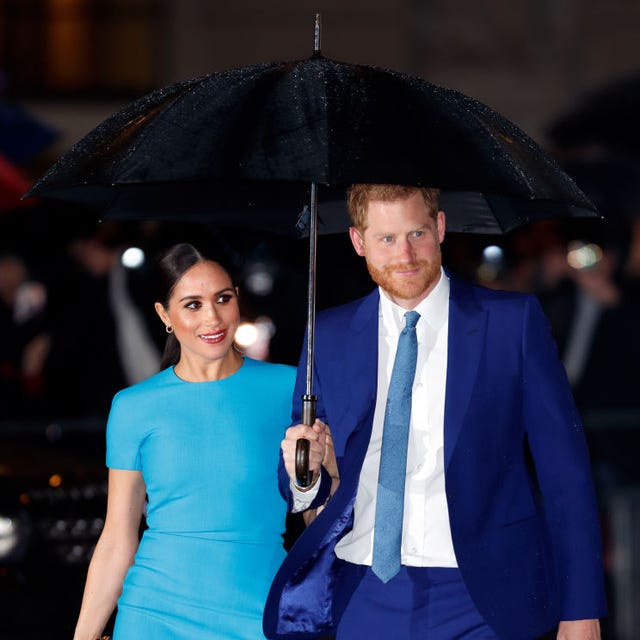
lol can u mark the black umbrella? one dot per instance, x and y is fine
(252, 146)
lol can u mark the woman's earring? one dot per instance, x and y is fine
(169, 329)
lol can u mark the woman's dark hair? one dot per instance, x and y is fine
(171, 266)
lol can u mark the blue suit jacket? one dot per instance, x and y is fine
(525, 527)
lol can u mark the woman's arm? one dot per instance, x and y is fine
(114, 552)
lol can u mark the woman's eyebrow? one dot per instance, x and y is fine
(197, 296)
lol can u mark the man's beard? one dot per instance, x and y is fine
(407, 288)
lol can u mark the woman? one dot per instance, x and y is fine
(197, 446)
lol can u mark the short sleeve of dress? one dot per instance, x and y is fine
(124, 435)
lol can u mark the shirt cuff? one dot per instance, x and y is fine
(301, 500)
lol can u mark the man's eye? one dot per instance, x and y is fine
(418, 234)
(387, 239)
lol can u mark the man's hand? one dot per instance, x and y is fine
(579, 630)
(330, 463)
(316, 435)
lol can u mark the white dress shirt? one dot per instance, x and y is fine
(426, 533)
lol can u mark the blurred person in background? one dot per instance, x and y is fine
(587, 290)
(99, 339)
(24, 338)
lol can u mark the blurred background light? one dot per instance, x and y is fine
(582, 255)
(493, 253)
(133, 258)
(491, 263)
(247, 334)
(254, 337)
(55, 480)
(8, 536)
(259, 278)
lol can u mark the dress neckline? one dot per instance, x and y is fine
(235, 373)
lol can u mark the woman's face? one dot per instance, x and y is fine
(203, 311)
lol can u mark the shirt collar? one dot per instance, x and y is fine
(433, 309)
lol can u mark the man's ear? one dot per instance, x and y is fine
(356, 240)
(442, 225)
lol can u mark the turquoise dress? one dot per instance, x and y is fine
(208, 453)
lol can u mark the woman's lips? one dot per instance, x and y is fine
(213, 338)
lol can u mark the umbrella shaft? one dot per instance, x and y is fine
(311, 290)
(317, 36)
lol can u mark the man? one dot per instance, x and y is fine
(500, 535)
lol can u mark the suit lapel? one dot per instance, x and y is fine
(361, 370)
(360, 382)
(467, 322)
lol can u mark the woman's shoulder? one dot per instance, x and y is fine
(269, 370)
(263, 366)
(152, 385)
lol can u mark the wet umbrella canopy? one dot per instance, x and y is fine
(253, 146)
(244, 145)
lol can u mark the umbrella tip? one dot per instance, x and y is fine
(317, 36)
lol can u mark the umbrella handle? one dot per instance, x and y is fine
(303, 475)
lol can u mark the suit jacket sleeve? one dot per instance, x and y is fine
(561, 459)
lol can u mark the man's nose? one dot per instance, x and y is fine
(405, 250)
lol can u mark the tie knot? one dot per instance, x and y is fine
(411, 319)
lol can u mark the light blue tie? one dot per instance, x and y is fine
(387, 535)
